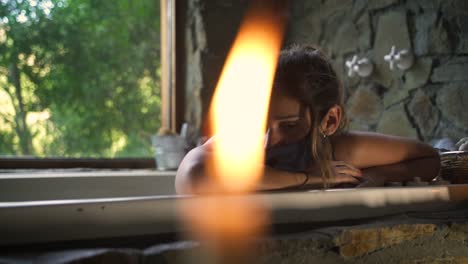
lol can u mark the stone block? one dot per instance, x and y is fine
(395, 94)
(364, 30)
(445, 128)
(431, 35)
(329, 34)
(418, 75)
(443, 260)
(359, 8)
(453, 8)
(452, 101)
(332, 7)
(307, 29)
(344, 37)
(424, 113)
(378, 4)
(394, 121)
(458, 232)
(304, 8)
(359, 242)
(453, 70)
(365, 105)
(433, 5)
(462, 34)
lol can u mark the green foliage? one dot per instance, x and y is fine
(6, 143)
(93, 65)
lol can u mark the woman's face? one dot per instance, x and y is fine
(288, 120)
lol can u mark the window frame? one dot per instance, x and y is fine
(171, 103)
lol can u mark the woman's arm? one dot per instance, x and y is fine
(424, 168)
(386, 158)
(191, 177)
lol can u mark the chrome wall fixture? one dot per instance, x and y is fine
(362, 67)
(402, 59)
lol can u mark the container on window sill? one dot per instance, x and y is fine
(169, 150)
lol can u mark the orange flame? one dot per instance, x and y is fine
(240, 104)
(238, 114)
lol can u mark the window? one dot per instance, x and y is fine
(79, 78)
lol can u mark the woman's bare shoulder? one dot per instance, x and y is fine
(365, 149)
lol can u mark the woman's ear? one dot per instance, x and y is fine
(331, 121)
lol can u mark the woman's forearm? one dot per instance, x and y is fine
(278, 179)
(424, 168)
(274, 179)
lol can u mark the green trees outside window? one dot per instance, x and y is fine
(79, 78)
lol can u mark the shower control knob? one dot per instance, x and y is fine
(402, 59)
(362, 67)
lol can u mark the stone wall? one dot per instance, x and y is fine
(210, 30)
(425, 102)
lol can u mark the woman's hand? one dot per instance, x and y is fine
(346, 174)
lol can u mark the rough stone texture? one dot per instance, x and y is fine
(462, 33)
(358, 242)
(431, 36)
(399, 240)
(332, 7)
(377, 4)
(309, 32)
(446, 260)
(453, 70)
(344, 40)
(452, 101)
(458, 232)
(418, 74)
(453, 7)
(446, 129)
(396, 94)
(435, 30)
(394, 121)
(425, 6)
(424, 113)
(365, 106)
(364, 29)
(414, 237)
(392, 30)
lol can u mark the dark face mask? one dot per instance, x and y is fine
(295, 157)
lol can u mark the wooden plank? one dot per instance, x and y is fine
(168, 66)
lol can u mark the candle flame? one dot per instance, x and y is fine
(240, 103)
(238, 117)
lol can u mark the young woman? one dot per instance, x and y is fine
(307, 144)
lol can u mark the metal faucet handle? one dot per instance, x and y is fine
(403, 59)
(362, 67)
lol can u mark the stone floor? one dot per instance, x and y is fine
(419, 237)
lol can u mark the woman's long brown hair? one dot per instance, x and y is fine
(305, 73)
